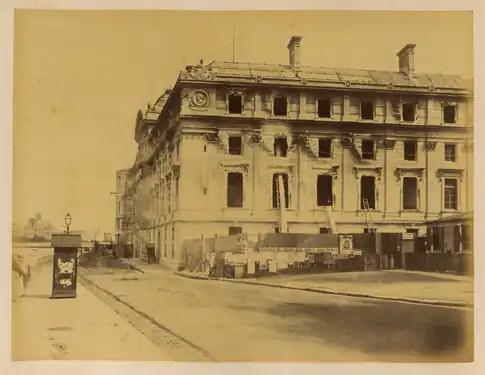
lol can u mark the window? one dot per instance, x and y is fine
(410, 193)
(449, 114)
(367, 110)
(234, 189)
(235, 145)
(325, 231)
(414, 231)
(324, 190)
(367, 192)
(280, 106)
(324, 108)
(367, 149)
(450, 152)
(165, 243)
(277, 185)
(235, 230)
(281, 147)
(324, 148)
(466, 237)
(235, 103)
(408, 112)
(369, 230)
(410, 150)
(173, 242)
(276, 229)
(451, 194)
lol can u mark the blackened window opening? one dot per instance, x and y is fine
(410, 193)
(324, 148)
(235, 230)
(276, 189)
(367, 149)
(325, 231)
(235, 145)
(234, 189)
(324, 190)
(324, 108)
(281, 147)
(408, 112)
(410, 149)
(449, 114)
(280, 106)
(367, 110)
(235, 103)
(367, 191)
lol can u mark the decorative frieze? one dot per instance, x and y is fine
(415, 172)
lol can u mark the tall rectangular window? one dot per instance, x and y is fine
(324, 148)
(450, 152)
(451, 194)
(368, 149)
(234, 189)
(235, 103)
(409, 112)
(410, 193)
(165, 242)
(280, 106)
(367, 110)
(324, 108)
(281, 147)
(368, 192)
(277, 188)
(235, 145)
(410, 150)
(449, 114)
(173, 242)
(324, 190)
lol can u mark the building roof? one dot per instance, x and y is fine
(222, 69)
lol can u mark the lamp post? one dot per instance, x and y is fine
(68, 221)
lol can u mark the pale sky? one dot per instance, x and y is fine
(81, 76)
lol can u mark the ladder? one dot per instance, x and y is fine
(280, 197)
(368, 216)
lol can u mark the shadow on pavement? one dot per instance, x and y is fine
(390, 331)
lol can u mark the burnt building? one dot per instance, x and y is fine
(256, 148)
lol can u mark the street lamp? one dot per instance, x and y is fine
(68, 221)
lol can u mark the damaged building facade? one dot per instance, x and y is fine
(257, 148)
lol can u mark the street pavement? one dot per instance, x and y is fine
(83, 328)
(237, 322)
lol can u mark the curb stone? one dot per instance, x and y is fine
(336, 292)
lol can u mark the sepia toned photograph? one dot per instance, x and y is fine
(243, 186)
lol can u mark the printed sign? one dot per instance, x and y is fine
(346, 242)
(65, 272)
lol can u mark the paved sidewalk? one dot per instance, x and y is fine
(396, 285)
(83, 328)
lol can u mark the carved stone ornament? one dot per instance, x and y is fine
(431, 146)
(432, 88)
(176, 171)
(200, 72)
(390, 86)
(347, 141)
(389, 144)
(302, 140)
(255, 138)
(401, 172)
(347, 83)
(212, 138)
(199, 98)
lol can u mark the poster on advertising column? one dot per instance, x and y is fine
(65, 262)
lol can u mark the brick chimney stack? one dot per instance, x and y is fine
(294, 48)
(406, 59)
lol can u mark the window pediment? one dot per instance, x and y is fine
(360, 171)
(450, 172)
(409, 172)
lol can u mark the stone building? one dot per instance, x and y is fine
(256, 148)
(124, 211)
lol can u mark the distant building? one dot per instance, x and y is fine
(257, 148)
(124, 210)
(37, 229)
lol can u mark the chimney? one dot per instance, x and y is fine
(294, 48)
(406, 59)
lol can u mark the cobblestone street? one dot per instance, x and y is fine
(237, 322)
